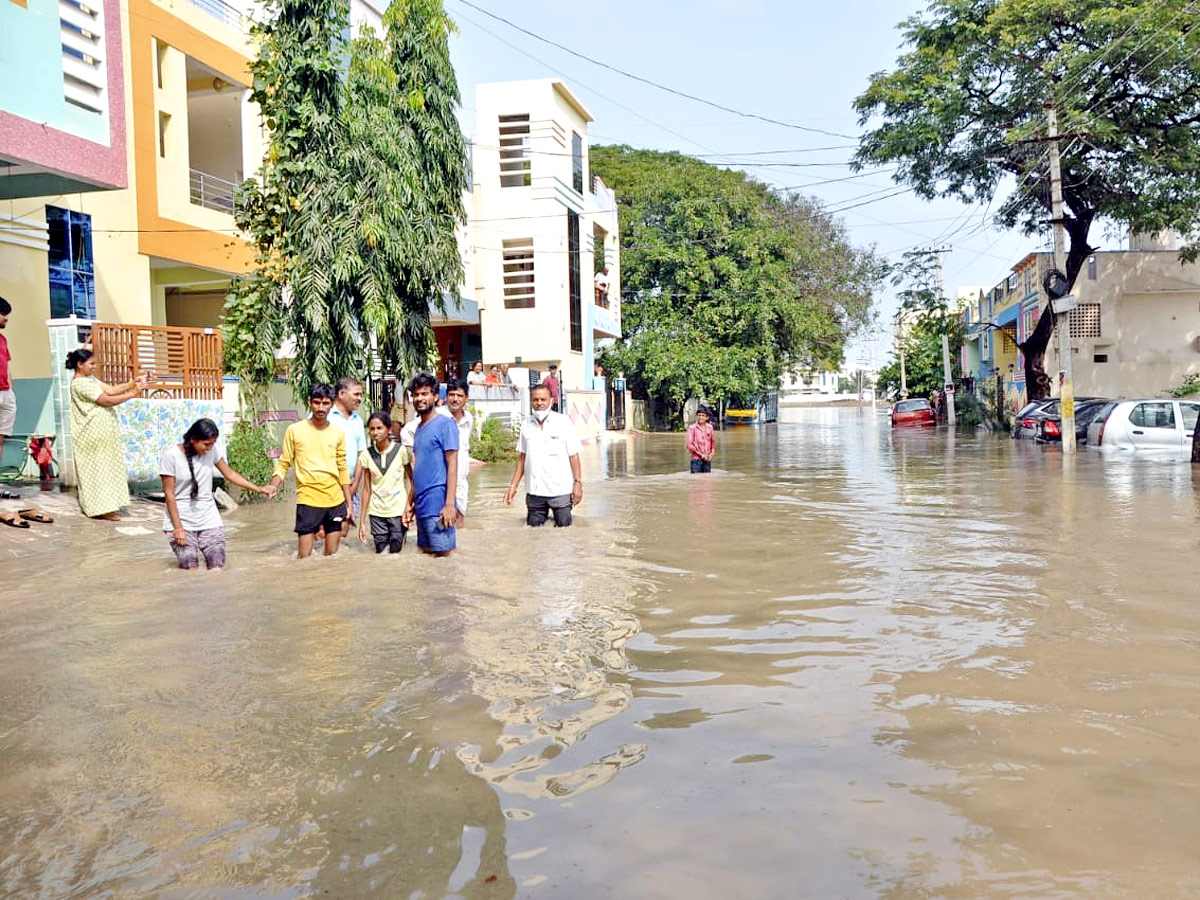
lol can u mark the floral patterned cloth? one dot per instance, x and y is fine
(97, 443)
(148, 427)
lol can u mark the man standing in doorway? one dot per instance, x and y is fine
(8, 399)
(555, 387)
(435, 470)
(318, 451)
(548, 460)
(345, 415)
(456, 409)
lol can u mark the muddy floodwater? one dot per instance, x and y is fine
(848, 664)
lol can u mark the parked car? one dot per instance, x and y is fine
(1049, 428)
(1025, 422)
(1144, 425)
(915, 411)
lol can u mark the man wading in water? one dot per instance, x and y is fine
(548, 458)
(318, 451)
(435, 470)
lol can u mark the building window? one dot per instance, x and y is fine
(577, 162)
(164, 120)
(1028, 280)
(518, 273)
(72, 280)
(514, 151)
(85, 75)
(1010, 283)
(160, 59)
(1100, 358)
(1091, 266)
(1085, 321)
(573, 280)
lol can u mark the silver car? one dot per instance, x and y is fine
(1157, 424)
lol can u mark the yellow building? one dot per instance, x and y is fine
(161, 250)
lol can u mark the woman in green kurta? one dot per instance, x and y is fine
(99, 460)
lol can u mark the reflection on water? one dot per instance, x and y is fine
(849, 663)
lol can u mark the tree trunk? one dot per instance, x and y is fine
(1033, 348)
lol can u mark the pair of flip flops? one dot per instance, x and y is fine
(21, 518)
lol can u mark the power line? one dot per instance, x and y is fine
(654, 84)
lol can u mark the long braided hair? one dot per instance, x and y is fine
(200, 430)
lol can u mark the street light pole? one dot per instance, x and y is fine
(948, 384)
(1062, 306)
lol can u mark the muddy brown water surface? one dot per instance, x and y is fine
(849, 664)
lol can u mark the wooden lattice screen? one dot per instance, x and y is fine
(183, 363)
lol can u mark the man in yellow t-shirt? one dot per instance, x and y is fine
(318, 451)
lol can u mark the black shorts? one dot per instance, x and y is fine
(388, 533)
(701, 465)
(538, 508)
(311, 519)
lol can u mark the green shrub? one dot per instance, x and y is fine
(496, 442)
(969, 411)
(249, 448)
(1190, 385)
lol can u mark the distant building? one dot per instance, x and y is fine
(542, 226)
(1134, 332)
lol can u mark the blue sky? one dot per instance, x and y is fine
(801, 63)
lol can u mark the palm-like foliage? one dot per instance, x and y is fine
(354, 214)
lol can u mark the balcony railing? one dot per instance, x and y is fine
(222, 12)
(181, 362)
(212, 192)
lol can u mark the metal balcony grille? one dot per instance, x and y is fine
(212, 192)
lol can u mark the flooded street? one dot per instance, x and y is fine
(849, 664)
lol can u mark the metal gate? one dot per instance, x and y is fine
(615, 420)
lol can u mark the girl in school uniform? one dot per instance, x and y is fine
(386, 486)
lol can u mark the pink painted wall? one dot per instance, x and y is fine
(40, 146)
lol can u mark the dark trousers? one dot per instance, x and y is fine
(537, 510)
(388, 533)
(701, 465)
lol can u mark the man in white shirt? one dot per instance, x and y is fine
(548, 460)
(456, 408)
(344, 414)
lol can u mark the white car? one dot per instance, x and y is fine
(1160, 424)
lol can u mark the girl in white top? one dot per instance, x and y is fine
(192, 518)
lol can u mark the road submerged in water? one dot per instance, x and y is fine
(848, 664)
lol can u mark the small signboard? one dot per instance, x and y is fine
(949, 389)
(1064, 304)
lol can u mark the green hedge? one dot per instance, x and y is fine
(496, 442)
(249, 448)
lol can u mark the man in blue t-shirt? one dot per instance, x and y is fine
(435, 470)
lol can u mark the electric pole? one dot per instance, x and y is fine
(947, 373)
(1062, 307)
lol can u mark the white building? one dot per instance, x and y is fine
(542, 227)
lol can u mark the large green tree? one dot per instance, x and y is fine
(298, 91)
(354, 215)
(963, 115)
(725, 286)
(928, 316)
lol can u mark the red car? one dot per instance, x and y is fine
(915, 411)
